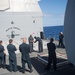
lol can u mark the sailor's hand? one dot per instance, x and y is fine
(4, 52)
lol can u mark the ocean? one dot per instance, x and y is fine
(53, 31)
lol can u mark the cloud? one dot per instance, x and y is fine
(47, 15)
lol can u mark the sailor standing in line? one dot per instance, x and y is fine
(31, 40)
(40, 44)
(25, 58)
(12, 56)
(51, 55)
(2, 55)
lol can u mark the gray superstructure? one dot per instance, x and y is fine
(20, 18)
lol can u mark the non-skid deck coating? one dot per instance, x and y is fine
(38, 65)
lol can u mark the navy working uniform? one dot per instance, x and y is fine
(2, 56)
(61, 37)
(52, 55)
(40, 44)
(12, 57)
(25, 58)
(30, 39)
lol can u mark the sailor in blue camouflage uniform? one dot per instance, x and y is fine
(12, 56)
(40, 44)
(25, 58)
(31, 40)
(2, 55)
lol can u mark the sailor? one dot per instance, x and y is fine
(2, 55)
(51, 55)
(12, 56)
(31, 40)
(61, 37)
(25, 58)
(40, 44)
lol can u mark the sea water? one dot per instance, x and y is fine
(53, 31)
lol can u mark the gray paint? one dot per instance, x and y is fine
(69, 29)
(26, 15)
(23, 21)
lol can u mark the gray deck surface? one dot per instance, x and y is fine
(38, 66)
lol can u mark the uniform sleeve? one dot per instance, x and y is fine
(32, 38)
(48, 48)
(15, 48)
(28, 39)
(3, 48)
(36, 40)
(20, 48)
(54, 46)
(28, 48)
(63, 36)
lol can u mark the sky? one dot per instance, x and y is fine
(53, 12)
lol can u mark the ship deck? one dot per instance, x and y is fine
(39, 62)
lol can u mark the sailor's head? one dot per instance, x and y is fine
(61, 32)
(0, 41)
(51, 39)
(24, 40)
(30, 35)
(10, 41)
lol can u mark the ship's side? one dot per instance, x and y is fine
(22, 17)
(69, 30)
